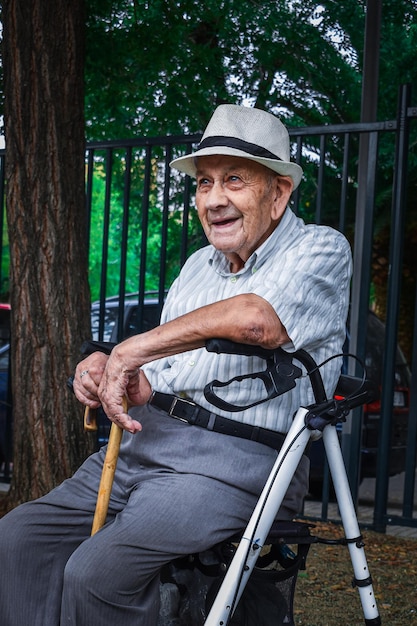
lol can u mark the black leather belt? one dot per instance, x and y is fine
(188, 411)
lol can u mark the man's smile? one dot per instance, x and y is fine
(224, 221)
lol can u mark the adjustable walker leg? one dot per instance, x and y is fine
(260, 523)
(362, 578)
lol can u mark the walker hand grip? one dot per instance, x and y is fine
(278, 377)
(232, 347)
(355, 391)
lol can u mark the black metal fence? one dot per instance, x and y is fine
(142, 227)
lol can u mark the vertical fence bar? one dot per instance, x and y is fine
(320, 181)
(89, 191)
(144, 233)
(411, 452)
(105, 242)
(352, 429)
(8, 432)
(3, 215)
(164, 229)
(345, 180)
(124, 240)
(410, 460)
(185, 221)
(393, 299)
(185, 214)
(298, 160)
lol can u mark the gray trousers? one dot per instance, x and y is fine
(178, 489)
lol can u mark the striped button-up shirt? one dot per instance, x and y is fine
(304, 272)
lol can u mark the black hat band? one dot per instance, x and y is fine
(239, 144)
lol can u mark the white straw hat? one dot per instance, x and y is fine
(248, 133)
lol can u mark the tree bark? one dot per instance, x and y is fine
(43, 56)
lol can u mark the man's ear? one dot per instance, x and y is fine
(283, 186)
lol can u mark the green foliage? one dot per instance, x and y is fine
(161, 67)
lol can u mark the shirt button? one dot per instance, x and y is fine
(191, 363)
(233, 279)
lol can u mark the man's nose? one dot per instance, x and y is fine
(216, 197)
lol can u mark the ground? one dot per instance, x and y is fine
(324, 593)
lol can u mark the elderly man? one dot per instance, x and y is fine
(265, 279)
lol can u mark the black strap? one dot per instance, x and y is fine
(239, 144)
(190, 412)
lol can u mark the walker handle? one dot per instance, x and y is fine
(232, 347)
(278, 377)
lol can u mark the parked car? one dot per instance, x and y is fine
(136, 317)
(374, 349)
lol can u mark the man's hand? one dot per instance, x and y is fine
(88, 375)
(120, 382)
(135, 389)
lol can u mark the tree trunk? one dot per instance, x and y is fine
(43, 56)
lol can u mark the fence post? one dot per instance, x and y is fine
(393, 300)
(362, 258)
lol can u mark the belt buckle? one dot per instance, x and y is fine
(174, 404)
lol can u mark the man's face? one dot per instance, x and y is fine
(239, 203)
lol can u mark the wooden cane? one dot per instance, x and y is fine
(107, 475)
